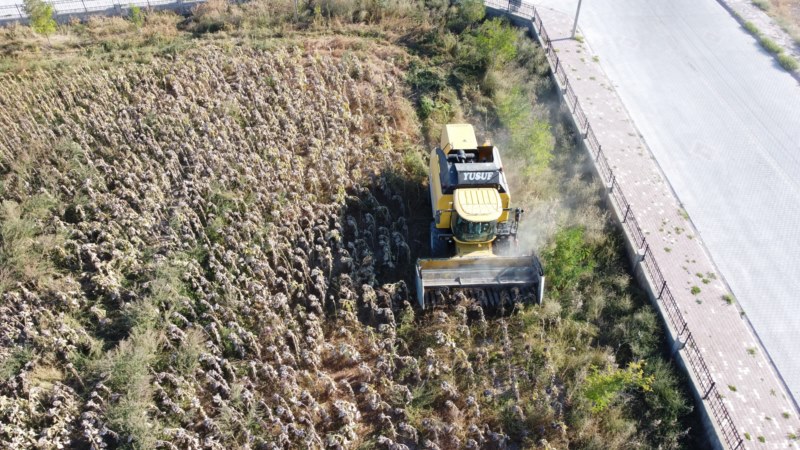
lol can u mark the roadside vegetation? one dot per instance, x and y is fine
(786, 13)
(786, 61)
(209, 225)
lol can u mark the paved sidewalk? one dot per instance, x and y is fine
(744, 377)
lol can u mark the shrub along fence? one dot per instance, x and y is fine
(65, 9)
(703, 380)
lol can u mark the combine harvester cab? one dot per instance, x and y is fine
(474, 230)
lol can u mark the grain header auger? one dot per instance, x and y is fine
(474, 230)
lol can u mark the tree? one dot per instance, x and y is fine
(41, 17)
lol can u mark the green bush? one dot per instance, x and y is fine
(569, 259)
(788, 63)
(602, 387)
(666, 401)
(425, 80)
(496, 42)
(770, 45)
(467, 13)
(136, 16)
(530, 136)
(414, 163)
(490, 45)
(41, 17)
(764, 5)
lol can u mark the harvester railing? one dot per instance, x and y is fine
(661, 290)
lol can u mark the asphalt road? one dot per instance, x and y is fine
(723, 121)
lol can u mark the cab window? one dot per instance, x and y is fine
(466, 231)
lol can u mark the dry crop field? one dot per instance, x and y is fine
(213, 249)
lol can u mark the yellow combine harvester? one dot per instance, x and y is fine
(474, 229)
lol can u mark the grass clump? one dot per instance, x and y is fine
(752, 28)
(14, 362)
(770, 45)
(127, 369)
(763, 5)
(695, 290)
(24, 243)
(788, 63)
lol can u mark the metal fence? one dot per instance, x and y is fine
(66, 8)
(694, 357)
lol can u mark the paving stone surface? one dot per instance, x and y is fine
(752, 391)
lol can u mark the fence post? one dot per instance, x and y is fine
(678, 345)
(710, 388)
(575, 105)
(663, 287)
(85, 9)
(627, 210)
(586, 126)
(19, 11)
